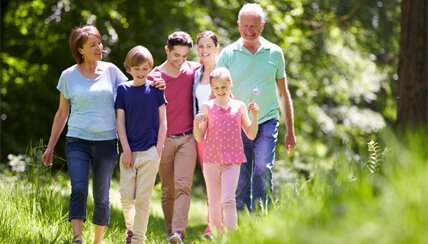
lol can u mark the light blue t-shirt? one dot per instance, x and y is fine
(92, 115)
(258, 71)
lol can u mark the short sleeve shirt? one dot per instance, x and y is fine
(92, 115)
(141, 105)
(179, 94)
(255, 71)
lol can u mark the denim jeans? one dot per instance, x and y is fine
(101, 156)
(255, 179)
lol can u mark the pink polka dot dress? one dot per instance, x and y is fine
(223, 141)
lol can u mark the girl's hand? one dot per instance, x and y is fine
(200, 118)
(127, 159)
(47, 157)
(254, 108)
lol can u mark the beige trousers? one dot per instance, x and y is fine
(136, 186)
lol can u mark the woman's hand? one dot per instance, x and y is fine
(47, 157)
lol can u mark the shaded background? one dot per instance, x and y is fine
(341, 56)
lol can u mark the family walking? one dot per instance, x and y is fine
(222, 111)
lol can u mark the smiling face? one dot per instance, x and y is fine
(139, 73)
(92, 49)
(177, 55)
(206, 49)
(221, 88)
(250, 26)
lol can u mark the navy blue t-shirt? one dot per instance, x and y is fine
(141, 105)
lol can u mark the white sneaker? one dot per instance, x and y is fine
(176, 238)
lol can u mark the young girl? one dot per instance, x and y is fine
(141, 125)
(219, 124)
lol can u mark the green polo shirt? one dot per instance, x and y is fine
(259, 70)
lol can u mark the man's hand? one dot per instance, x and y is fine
(290, 142)
(158, 81)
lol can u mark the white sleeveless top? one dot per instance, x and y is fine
(202, 93)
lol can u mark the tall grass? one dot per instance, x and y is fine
(383, 198)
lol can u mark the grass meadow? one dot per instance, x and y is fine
(381, 198)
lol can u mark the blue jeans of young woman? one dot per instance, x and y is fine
(255, 179)
(101, 156)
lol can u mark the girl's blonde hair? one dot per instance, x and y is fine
(220, 73)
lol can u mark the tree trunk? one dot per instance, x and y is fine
(412, 69)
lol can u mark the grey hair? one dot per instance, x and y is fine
(252, 7)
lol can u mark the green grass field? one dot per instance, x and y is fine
(382, 198)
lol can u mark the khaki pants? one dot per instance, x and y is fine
(176, 172)
(136, 186)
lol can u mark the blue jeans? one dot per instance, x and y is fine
(255, 180)
(81, 155)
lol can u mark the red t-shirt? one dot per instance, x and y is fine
(179, 95)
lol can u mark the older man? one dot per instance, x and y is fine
(258, 69)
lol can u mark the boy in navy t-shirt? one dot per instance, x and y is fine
(141, 125)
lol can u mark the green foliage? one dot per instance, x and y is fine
(341, 60)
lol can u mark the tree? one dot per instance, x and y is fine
(412, 71)
(341, 58)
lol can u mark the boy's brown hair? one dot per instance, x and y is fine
(137, 56)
